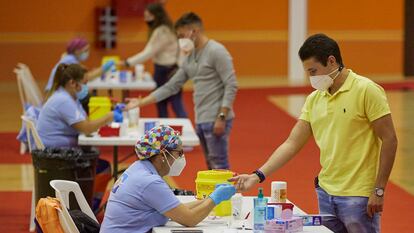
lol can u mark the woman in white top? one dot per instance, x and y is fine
(162, 47)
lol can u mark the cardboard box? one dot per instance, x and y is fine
(278, 225)
(312, 220)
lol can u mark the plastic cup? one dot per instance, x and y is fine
(139, 71)
(236, 206)
(133, 116)
(123, 76)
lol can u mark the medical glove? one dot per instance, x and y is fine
(107, 66)
(222, 192)
(118, 117)
(120, 107)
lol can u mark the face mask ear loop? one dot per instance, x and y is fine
(166, 159)
(337, 74)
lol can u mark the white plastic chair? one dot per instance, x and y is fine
(29, 91)
(32, 132)
(28, 88)
(19, 74)
(62, 189)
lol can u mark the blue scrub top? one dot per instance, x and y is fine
(56, 118)
(138, 200)
(66, 59)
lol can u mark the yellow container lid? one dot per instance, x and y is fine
(214, 175)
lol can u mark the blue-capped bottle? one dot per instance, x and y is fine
(259, 217)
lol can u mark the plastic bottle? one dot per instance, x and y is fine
(259, 217)
(133, 115)
(278, 192)
(139, 72)
(114, 75)
(236, 206)
(123, 131)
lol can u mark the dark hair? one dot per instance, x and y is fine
(320, 47)
(188, 19)
(64, 73)
(160, 17)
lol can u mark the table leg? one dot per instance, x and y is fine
(115, 162)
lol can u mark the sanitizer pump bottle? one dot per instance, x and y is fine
(259, 217)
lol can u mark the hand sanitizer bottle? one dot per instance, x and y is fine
(259, 217)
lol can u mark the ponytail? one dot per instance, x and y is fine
(63, 74)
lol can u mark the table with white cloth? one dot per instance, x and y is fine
(189, 137)
(226, 225)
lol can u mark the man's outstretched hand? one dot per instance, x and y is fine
(245, 182)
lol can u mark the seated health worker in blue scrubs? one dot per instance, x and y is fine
(77, 51)
(141, 199)
(62, 117)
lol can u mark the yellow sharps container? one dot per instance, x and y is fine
(99, 106)
(115, 59)
(205, 184)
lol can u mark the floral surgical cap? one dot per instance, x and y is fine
(156, 140)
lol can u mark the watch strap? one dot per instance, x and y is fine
(260, 174)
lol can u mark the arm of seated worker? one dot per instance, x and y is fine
(97, 72)
(194, 203)
(94, 73)
(89, 126)
(190, 217)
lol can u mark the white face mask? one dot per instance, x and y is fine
(323, 82)
(178, 165)
(186, 45)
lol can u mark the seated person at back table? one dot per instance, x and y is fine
(62, 118)
(77, 52)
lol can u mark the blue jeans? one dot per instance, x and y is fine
(215, 147)
(161, 76)
(349, 213)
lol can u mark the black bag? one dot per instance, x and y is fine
(83, 222)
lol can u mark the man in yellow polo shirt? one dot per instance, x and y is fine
(349, 117)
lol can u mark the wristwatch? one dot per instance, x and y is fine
(222, 116)
(379, 192)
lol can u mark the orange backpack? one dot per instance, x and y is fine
(47, 215)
